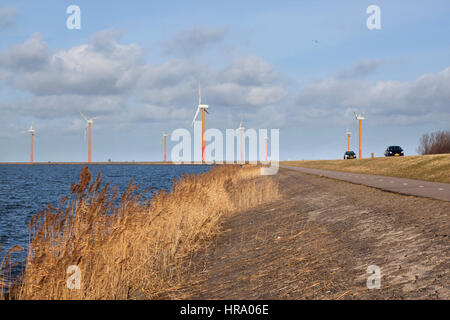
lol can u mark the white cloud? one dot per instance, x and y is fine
(362, 68)
(424, 99)
(32, 55)
(105, 77)
(108, 78)
(7, 18)
(194, 41)
(102, 67)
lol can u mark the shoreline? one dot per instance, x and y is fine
(129, 163)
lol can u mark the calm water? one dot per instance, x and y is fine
(26, 190)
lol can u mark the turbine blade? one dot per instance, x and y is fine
(84, 117)
(199, 93)
(195, 117)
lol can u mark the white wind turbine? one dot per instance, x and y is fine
(348, 133)
(267, 142)
(242, 140)
(359, 117)
(31, 131)
(89, 123)
(202, 107)
(164, 143)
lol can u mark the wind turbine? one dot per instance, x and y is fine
(242, 140)
(348, 133)
(89, 123)
(164, 138)
(267, 142)
(359, 117)
(31, 131)
(203, 107)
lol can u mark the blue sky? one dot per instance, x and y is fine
(299, 66)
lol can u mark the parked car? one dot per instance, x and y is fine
(349, 155)
(394, 151)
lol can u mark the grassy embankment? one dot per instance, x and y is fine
(434, 168)
(134, 249)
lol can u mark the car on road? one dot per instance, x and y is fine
(394, 151)
(349, 155)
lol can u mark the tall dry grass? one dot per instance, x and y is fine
(135, 249)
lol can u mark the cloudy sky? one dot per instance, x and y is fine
(299, 66)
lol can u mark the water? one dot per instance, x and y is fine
(26, 190)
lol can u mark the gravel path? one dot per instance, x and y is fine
(434, 190)
(318, 241)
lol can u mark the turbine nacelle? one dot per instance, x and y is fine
(200, 105)
(89, 121)
(359, 116)
(30, 130)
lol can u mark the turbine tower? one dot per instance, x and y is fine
(203, 107)
(348, 133)
(267, 142)
(164, 138)
(359, 117)
(242, 140)
(89, 123)
(31, 131)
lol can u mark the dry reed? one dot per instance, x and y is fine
(136, 248)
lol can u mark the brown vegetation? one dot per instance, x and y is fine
(435, 143)
(135, 249)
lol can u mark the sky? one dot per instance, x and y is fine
(297, 66)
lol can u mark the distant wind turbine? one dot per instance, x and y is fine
(32, 133)
(203, 107)
(164, 141)
(89, 123)
(348, 133)
(267, 142)
(242, 140)
(359, 117)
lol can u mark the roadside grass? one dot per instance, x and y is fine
(133, 249)
(435, 168)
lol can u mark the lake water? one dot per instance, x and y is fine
(27, 189)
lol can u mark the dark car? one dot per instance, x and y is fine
(349, 155)
(394, 151)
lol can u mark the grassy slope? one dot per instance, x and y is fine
(430, 167)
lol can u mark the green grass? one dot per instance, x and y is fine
(434, 168)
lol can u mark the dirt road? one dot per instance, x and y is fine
(318, 241)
